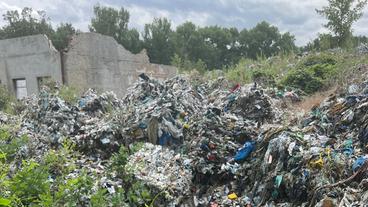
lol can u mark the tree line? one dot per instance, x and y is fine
(189, 45)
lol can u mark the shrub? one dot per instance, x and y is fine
(75, 191)
(118, 198)
(4, 181)
(185, 65)
(9, 144)
(323, 71)
(302, 80)
(99, 199)
(118, 161)
(57, 161)
(263, 77)
(30, 182)
(312, 74)
(322, 58)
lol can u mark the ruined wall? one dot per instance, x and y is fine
(98, 61)
(28, 58)
(92, 61)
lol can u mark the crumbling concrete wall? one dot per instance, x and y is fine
(29, 58)
(98, 61)
(92, 61)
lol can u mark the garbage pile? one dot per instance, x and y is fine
(159, 112)
(164, 169)
(211, 123)
(6, 119)
(88, 124)
(217, 144)
(241, 155)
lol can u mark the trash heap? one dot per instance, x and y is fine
(214, 125)
(241, 154)
(217, 144)
(159, 112)
(6, 119)
(88, 124)
(163, 168)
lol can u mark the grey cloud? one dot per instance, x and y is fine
(295, 16)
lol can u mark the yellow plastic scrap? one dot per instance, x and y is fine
(186, 126)
(232, 196)
(317, 163)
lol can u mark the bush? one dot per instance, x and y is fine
(30, 182)
(312, 74)
(118, 162)
(319, 59)
(323, 71)
(9, 144)
(57, 162)
(263, 77)
(75, 191)
(302, 80)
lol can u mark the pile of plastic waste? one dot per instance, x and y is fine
(240, 154)
(89, 123)
(217, 144)
(164, 169)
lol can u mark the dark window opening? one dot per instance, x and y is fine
(43, 81)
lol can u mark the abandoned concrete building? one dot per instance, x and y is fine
(91, 61)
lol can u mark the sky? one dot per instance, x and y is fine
(295, 16)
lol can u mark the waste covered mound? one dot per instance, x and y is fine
(159, 111)
(216, 144)
(240, 154)
(88, 124)
(163, 168)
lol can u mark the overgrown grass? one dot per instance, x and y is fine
(266, 71)
(310, 73)
(8, 102)
(69, 94)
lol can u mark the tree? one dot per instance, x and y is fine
(266, 40)
(287, 43)
(25, 23)
(158, 40)
(216, 46)
(186, 40)
(114, 23)
(131, 41)
(62, 35)
(341, 14)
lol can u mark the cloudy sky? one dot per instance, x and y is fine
(295, 16)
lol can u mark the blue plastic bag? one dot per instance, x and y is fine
(245, 151)
(165, 139)
(359, 163)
